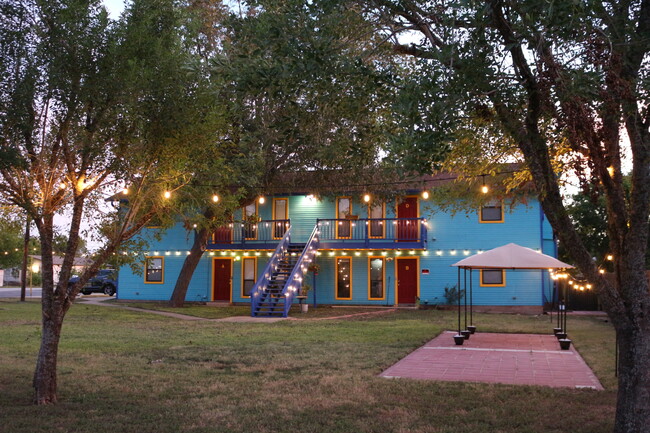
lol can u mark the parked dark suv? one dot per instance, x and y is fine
(104, 282)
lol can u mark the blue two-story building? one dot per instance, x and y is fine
(351, 250)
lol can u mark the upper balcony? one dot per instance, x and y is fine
(373, 233)
(240, 235)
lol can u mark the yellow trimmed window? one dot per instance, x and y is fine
(376, 269)
(343, 278)
(491, 212)
(493, 277)
(154, 270)
(376, 213)
(343, 210)
(248, 275)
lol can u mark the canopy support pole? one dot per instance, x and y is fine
(458, 300)
(464, 292)
(471, 299)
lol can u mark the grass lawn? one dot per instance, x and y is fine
(125, 371)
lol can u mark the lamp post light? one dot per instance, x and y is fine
(33, 269)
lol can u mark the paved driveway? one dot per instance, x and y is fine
(14, 292)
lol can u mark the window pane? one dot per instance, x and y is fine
(280, 228)
(250, 210)
(344, 209)
(343, 278)
(248, 272)
(377, 278)
(280, 209)
(491, 211)
(249, 228)
(377, 227)
(493, 276)
(153, 271)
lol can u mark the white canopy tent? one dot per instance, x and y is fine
(510, 256)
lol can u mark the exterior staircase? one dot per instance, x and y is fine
(281, 280)
(272, 301)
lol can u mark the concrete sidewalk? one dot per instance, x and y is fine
(235, 319)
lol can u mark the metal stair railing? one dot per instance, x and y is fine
(263, 281)
(294, 282)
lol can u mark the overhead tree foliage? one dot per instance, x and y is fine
(588, 210)
(305, 101)
(88, 107)
(566, 83)
(12, 230)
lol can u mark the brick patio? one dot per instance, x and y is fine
(521, 359)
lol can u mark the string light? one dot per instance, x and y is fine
(425, 195)
(366, 198)
(167, 194)
(125, 191)
(215, 198)
(610, 257)
(261, 200)
(484, 187)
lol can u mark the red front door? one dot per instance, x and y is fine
(407, 280)
(222, 279)
(407, 229)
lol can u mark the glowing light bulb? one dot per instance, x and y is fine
(261, 200)
(215, 198)
(425, 195)
(366, 198)
(167, 194)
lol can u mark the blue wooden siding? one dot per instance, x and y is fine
(450, 238)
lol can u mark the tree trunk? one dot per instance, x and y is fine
(633, 401)
(23, 280)
(45, 376)
(189, 266)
